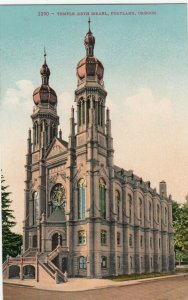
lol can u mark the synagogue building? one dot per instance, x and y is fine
(84, 214)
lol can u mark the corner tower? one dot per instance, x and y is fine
(45, 123)
(90, 97)
(44, 117)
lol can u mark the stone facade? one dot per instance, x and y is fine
(104, 219)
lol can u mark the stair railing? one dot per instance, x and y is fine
(56, 269)
(46, 269)
(53, 254)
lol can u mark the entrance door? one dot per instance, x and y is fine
(55, 240)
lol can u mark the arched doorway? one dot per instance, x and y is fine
(29, 272)
(14, 272)
(56, 239)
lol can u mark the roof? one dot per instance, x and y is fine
(58, 215)
(134, 180)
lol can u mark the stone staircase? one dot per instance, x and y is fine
(44, 260)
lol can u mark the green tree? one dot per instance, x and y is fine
(180, 223)
(11, 241)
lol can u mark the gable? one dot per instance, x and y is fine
(56, 148)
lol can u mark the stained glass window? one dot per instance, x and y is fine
(82, 262)
(117, 199)
(103, 237)
(102, 198)
(81, 199)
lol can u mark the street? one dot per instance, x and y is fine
(164, 289)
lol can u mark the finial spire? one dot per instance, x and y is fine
(89, 41)
(89, 21)
(45, 71)
(44, 55)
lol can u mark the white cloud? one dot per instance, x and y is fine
(145, 106)
(151, 141)
(21, 95)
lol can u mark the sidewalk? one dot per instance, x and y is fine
(83, 284)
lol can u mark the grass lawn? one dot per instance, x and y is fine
(144, 275)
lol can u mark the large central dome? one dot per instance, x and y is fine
(90, 66)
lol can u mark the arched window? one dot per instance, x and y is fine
(149, 211)
(52, 131)
(103, 237)
(130, 240)
(118, 238)
(88, 109)
(46, 131)
(103, 262)
(102, 198)
(35, 134)
(82, 262)
(131, 262)
(81, 199)
(40, 130)
(166, 214)
(100, 112)
(158, 212)
(117, 201)
(141, 210)
(81, 111)
(35, 206)
(141, 241)
(130, 208)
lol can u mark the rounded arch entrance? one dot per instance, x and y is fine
(29, 272)
(56, 240)
(14, 271)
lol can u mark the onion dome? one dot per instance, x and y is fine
(89, 42)
(90, 65)
(45, 71)
(44, 93)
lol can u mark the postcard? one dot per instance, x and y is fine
(94, 140)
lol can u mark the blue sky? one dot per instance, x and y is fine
(146, 71)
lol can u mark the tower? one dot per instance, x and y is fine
(93, 205)
(45, 123)
(93, 127)
(44, 117)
